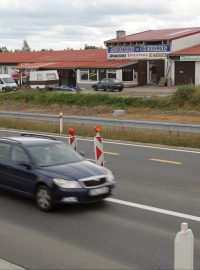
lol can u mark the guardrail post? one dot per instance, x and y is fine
(61, 123)
(184, 249)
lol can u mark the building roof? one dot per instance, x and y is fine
(156, 35)
(76, 65)
(51, 56)
(195, 50)
(67, 59)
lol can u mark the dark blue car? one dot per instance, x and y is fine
(50, 172)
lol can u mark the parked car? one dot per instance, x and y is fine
(7, 83)
(50, 172)
(109, 84)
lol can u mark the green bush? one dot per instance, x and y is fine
(183, 94)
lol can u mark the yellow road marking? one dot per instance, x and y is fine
(166, 161)
(111, 153)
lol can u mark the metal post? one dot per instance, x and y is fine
(184, 249)
(61, 123)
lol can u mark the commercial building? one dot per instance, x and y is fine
(75, 67)
(152, 50)
(159, 57)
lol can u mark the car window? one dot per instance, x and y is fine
(116, 80)
(103, 81)
(4, 150)
(19, 156)
(53, 154)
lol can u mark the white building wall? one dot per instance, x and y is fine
(119, 74)
(197, 73)
(171, 80)
(185, 42)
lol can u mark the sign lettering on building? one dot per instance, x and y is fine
(139, 52)
(190, 58)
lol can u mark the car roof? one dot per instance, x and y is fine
(29, 141)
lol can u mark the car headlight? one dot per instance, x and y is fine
(110, 177)
(66, 183)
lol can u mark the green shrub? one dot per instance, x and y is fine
(183, 94)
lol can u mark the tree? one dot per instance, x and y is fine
(4, 49)
(26, 47)
(88, 47)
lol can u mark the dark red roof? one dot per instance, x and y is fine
(67, 59)
(75, 65)
(51, 56)
(155, 35)
(195, 50)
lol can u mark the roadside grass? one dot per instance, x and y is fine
(114, 133)
(186, 97)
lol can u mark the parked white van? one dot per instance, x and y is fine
(43, 79)
(7, 83)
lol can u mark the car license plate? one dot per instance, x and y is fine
(99, 191)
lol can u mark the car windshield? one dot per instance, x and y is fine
(8, 80)
(53, 154)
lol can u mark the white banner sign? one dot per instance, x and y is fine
(190, 58)
(139, 52)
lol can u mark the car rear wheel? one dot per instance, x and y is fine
(44, 198)
(120, 89)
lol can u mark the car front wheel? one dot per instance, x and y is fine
(44, 198)
(95, 88)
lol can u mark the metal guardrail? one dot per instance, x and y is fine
(151, 125)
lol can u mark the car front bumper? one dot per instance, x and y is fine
(86, 195)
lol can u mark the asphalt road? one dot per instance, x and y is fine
(132, 230)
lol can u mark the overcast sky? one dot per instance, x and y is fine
(58, 24)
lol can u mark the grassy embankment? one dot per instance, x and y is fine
(186, 98)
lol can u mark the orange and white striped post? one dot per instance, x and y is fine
(98, 147)
(72, 139)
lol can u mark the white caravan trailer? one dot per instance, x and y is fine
(43, 79)
(7, 83)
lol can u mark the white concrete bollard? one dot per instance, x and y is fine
(61, 123)
(184, 249)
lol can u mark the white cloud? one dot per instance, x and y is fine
(60, 24)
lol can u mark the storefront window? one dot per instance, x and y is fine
(111, 73)
(127, 75)
(5, 70)
(102, 74)
(93, 74)
(0, 70)
(84, 75)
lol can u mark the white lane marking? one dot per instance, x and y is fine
(153, 209)
(111, 153)
(108, 142)
(9, 266)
